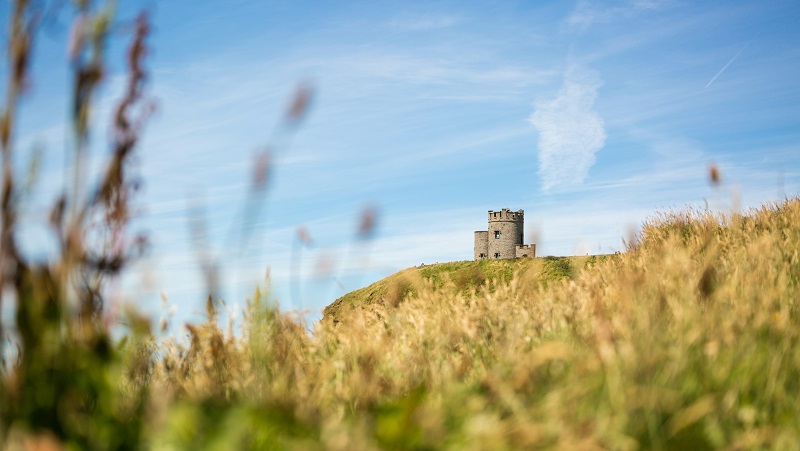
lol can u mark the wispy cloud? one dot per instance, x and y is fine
(570, 131)
(588, 13)
(423, 22)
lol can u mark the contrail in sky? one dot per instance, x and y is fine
(729, 63)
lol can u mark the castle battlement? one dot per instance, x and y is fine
(506, 215)
(504, 237)
(525, 251)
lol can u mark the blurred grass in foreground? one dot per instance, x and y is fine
(688, 340)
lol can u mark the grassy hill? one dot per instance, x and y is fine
(689, 340)
(460, 277)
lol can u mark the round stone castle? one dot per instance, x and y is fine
(505, 237)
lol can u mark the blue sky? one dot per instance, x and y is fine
(590, 116)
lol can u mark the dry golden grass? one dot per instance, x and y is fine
(689, 340)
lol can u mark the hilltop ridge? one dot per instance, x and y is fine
(460, 276)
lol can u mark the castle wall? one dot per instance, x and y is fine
(505, 233)
(526, 251)
(481, 245)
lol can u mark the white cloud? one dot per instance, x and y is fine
(570, 131)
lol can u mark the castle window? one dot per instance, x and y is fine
(496, 234)
(483, 256)
(497, 255)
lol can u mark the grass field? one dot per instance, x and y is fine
(689, 340)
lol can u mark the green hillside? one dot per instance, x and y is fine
(461, 277)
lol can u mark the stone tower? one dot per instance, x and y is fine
(505, 237)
